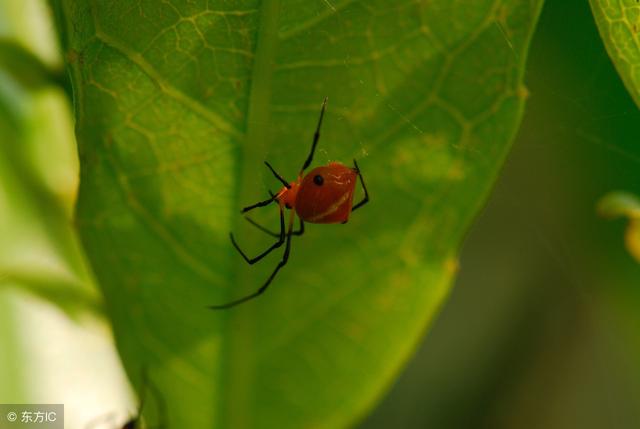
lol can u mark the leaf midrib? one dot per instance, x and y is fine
(238, 352)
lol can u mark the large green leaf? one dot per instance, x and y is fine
(178, 103)
(619, 24)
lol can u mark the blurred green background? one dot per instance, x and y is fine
(541, 330)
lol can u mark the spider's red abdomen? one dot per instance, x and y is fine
(326, 194)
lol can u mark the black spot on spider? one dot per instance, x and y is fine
(287, 206)
(318, 180)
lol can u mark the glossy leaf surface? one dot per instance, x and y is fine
(178, 104)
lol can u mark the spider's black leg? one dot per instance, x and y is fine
(316, 137)
(365, 200)
(262, 228)
(275, 245)
(282, 263)
(300, 230)
(279, 177)
(259, 204)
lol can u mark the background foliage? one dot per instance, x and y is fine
(547, 293)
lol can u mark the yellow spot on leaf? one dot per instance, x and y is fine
(451, 265)
(522, 92)
(430, 158)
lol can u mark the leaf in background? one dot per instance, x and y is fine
(40, 251)
(65, 291)
(26, 68)
(178, 104)
(624, 204)
(619, 25)
(12, 370)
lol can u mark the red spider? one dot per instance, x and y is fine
(324, 195)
